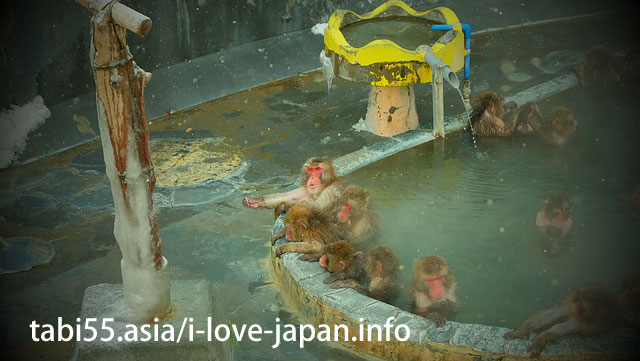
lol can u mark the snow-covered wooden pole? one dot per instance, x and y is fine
(125, 143)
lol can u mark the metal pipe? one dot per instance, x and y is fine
(435, 62)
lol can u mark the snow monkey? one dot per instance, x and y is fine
(382, 268)
(433, 291)
(308, 229)
(588, 310)
(359, 224)
(486, 117)
(527, 118)
(345, 265)
(559, 126)
(554, 222)
(319, 185)
(376, 278)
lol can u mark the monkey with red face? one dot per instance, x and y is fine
(554, 223)
(433, 290)
(559, 126)
(320, 186)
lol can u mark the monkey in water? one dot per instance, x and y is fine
(486, 116)
(527, 119)
(359, 224)
(433, 291)
(308, 230)
(320, 185)
(554, 222)
(376, 278)
(382, 268)
(588, 310)
(559, 126)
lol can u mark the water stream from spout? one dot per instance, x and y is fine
(466, 116)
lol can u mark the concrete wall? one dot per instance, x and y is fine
(45, 44)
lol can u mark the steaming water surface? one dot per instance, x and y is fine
(477, 209)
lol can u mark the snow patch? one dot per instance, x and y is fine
(361, 126)
(319, 28)
(15, 124)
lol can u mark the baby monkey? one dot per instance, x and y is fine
(376, 277)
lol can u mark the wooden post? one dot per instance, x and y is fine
(125, 143)
(121, 15)
(437, 93)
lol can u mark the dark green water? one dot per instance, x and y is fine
(409, 33)
(477, 208)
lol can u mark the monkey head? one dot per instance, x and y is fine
(337, 256)
(489, 101)
(355, 200)
(562, 121)
(557, 208)
(317, 174)
(432, 276)
(297, 221)
(382, 261)
(591, 302)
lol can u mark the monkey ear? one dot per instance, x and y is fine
(302, 224)
(341, 265)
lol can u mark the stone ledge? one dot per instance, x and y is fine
(316, 302)
(190, 298)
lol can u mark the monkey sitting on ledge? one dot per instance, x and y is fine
(320, 185)
(376, 278)
(308, 230)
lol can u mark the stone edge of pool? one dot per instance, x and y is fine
(302, 289)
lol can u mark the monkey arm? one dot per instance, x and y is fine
(273, 200)
(333, 277)
(445, 306)
(310, 257)
(347, 283)
(509, 127)
(282, 207)
(567, 227)
(436, 317)
(555, 332)
(299, 247)
(279, 234)
(329, 197)
(539, 321)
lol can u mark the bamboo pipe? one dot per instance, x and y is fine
(122, 15)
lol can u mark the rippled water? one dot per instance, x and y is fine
(477, 208)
